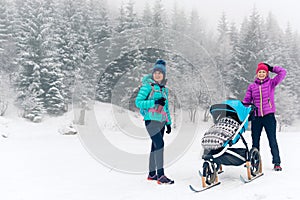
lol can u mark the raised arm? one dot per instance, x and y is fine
(281, 73)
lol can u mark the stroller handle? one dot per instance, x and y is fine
(252, 106)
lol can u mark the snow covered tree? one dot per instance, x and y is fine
(292, 44)
(128, 17)
(29, 59)
(100, 33)
(4, 25)
(88, 61)
(7, 43)
(159, 26)
(251, 52)
(69, 46)
(40, 66)
(289, 85)
(125, 54)
(147, 16)
(51, 76)
(274, 41)
(196, 28)
(234, 58)
(224, 52)
(122, 39)
(7, 55)
(100, 28)
(178, 20)
(285, 105)
(296, 68)
(75, 44)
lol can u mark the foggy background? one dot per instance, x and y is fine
(285, 11)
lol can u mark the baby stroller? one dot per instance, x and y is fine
(230, 122)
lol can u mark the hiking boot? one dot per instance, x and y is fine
(152, 178)
(277, 167)
(164, 180)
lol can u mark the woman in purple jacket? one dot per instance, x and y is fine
(261, 93)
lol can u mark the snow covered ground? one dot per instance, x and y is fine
(38, 163)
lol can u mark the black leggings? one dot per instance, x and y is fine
(156, 161)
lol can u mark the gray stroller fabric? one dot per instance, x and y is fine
(219, 133)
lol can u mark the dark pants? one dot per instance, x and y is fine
(156, 132)
(269, 123)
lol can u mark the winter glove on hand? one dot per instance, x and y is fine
(269, 67)
(168, 129)
(161, 101)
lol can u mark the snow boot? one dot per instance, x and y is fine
(164, 180)
(277, 167)
(152, 178)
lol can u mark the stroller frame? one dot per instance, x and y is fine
(214, 159)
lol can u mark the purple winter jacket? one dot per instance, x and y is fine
(261, 93)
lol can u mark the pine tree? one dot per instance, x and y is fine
(147, 16)
(69, 46)
(5, 36)
(29, 59)
(4, 26)
(126, 33)
(251, 52)
(288, 97)
(101, 32)
(289, 61)
(89, 73)
(178, 20)
(159, 26)
(196, 28)
(7, 52)
(296, 56)
(224, 52)
(126, 45)
(7, 43)
(51, 76)
(234, 58)
(274, 39)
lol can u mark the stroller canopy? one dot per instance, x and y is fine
(233, 108)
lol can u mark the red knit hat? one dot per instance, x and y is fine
(262, 66)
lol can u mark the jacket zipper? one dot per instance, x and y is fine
(260, 101)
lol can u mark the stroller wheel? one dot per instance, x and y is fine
(255, 161)
(209, 172)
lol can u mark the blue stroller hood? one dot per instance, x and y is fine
(235, 110)
(241, 110)
(232, 108)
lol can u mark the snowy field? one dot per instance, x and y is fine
(38, 163)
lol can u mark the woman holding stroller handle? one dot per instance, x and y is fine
(152, 99)
(261, 93)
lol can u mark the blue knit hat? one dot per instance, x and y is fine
(160, 65)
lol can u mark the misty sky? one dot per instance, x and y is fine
(210, 10)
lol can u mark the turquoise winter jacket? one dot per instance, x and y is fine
(147, 105)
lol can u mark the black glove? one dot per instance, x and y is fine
(269, 67)
(168, 129)
(161, 101)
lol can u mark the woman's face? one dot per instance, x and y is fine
(262, 74)
(158, 76)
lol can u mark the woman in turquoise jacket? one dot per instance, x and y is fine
(152, 99)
